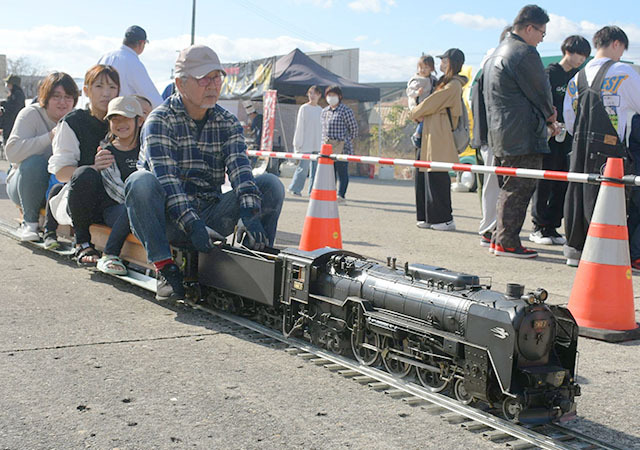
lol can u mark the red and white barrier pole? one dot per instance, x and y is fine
(574, 177)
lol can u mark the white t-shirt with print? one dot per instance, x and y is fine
(620, 94)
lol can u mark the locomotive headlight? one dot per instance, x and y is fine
(556, 378)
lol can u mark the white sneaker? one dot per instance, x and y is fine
(342, 200)
(423, 224)
(573, 262)
(459, 187)
(444, 226)
(28, 232)
(539, 238)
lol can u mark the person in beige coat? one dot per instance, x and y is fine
(437, 139)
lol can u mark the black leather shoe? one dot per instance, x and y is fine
(170, 284)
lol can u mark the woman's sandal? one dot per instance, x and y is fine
(111, 265)
(87, 256)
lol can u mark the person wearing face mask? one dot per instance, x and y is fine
(439, 114)
(307, 138)
(29, 148)
(339, 129)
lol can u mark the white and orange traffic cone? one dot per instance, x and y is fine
(322, 224)
(601, 299)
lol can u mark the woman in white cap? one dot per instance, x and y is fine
(101, 186)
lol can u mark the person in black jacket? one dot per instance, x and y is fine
(10, 108)
(548, 199)
(519, 108)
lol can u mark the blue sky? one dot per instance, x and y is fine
(391, 34)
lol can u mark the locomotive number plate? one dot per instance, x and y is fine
(540, 324)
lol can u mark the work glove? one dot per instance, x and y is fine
(250, 231)
(199, 236)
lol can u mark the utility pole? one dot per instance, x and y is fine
(193, 22)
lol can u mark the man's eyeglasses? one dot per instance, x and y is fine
(544, 33)
(58, 97)
(206, 81)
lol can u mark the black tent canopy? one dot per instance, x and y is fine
(295, 72)
(291, 75)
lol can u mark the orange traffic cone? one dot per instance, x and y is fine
(602, 295)
(322, 224)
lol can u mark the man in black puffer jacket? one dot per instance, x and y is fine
(519, 107)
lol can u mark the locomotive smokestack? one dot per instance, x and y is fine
(515, 290)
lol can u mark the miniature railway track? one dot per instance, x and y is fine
(481, 422)
(474, 420)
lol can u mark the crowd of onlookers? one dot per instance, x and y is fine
(525, 115)
(155, 167)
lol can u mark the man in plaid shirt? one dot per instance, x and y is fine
(340, 129)
(188, 143)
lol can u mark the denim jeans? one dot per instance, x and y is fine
(300, 176)
(342, 176)
(27, 187)
(145, 200)
(314, 167)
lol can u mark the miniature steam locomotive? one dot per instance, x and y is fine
(508, 349)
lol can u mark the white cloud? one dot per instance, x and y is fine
(474, 21)
(361, 38)
(375, 66)
(559, 27)
(374, 6)
(74, 50)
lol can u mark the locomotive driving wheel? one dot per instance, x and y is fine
(389, 357)
(511, 408)
(432, 380)
(365, 350)
(461, 392)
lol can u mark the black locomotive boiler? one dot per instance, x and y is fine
(511, 350)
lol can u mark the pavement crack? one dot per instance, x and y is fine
(122, 341)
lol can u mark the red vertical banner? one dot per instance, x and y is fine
(269, 101)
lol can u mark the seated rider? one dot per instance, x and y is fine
(187, 144)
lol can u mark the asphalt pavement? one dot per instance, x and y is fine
(89, 362)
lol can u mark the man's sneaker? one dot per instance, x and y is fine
(297, 194)
(635, 265)
(51, 240)
(170, 284)
(342, 200)
(485, 239)
(492, 247)
(423, 224)
(444, 226)
(571, 262)
(556, 237)
(28, 232)
(517, 252)
(540, 237)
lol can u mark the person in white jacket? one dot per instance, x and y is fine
(29, 148)
(134, 79)
(307, 138)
